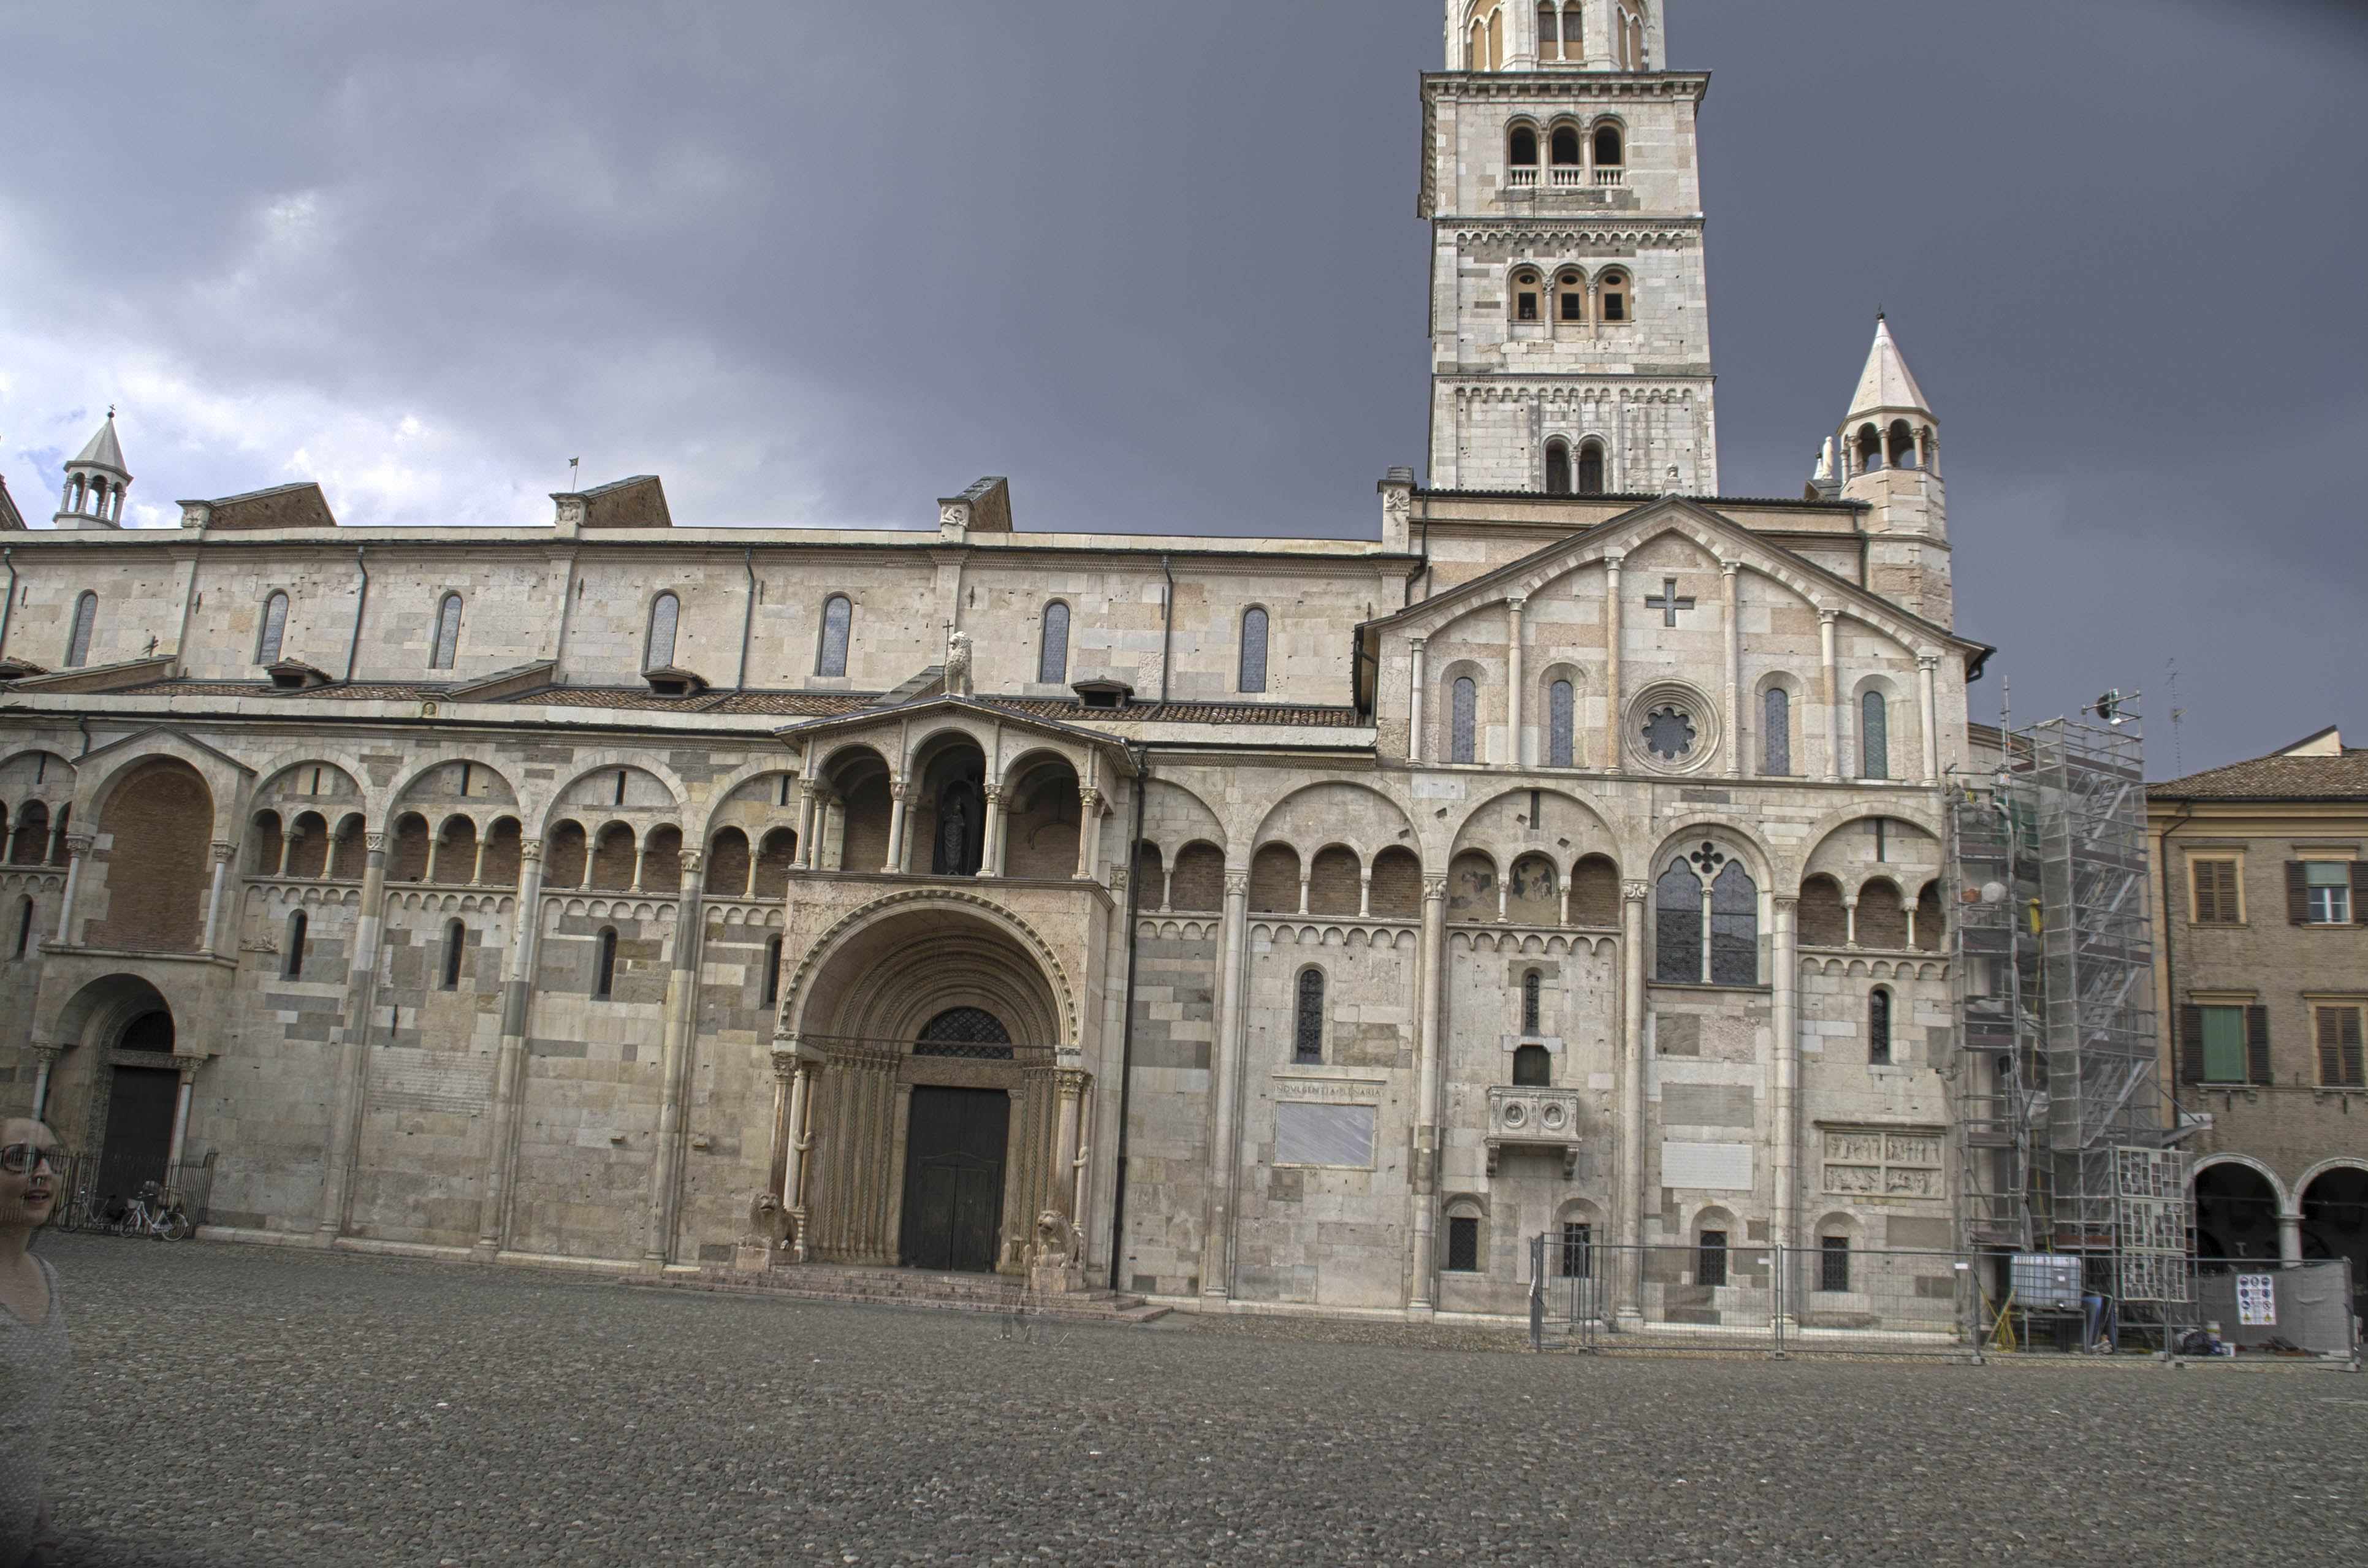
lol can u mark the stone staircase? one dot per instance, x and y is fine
(909, 1288)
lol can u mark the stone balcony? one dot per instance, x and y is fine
(1534, 1118)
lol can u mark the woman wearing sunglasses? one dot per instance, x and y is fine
(32, 1339)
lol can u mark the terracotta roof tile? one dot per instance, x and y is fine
(2342, 778)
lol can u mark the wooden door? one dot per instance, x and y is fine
(954, 1145)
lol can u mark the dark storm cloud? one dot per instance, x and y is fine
(819, 265)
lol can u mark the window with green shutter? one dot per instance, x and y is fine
(2223, 1045)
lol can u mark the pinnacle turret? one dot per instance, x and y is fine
(96, 480)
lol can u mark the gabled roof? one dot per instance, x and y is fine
(1803, 575)
(1885, 384)
(2316, 768)
(102, 451)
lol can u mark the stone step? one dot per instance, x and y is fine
(910, 1288)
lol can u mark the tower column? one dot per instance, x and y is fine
(1416, 679)
(1727, 572)
(1225, 1080)
(1832, 694)
(1513, 680)
(1612, 719)
(1925, 666)
(1630, 1199)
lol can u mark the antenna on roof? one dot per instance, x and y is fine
(570, 474)
(2177, 757)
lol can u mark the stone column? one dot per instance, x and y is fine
(353, 1041)
(801, 1139)
(1784, 1109)
(1224, 1085)
(47, 1056)
(1850, 920)
(1089, 832)
(1416, 679)
(777, 1168)
(77, 851)
(1612, 754)
(287, 850)
(477, 866)
(509, 1063)
(896, 791)
(681, 1018)
(2289, 1237)
(1926, 715)
(1365, 891)
(1513, 677)
(222, 850)
(1728, 572)
(991, 832)
(188, 1066)
(1081, 1161)
(1069, 1083)
(1833, 694)
(804, 859)
(1631, 1092)
(1430, 1001)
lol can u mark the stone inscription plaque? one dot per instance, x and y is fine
(406, 1079)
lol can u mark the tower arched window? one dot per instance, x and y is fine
(274, 630)
(1570, 296)
(1557, 467)
(1549, 32)
(1463, 707)
(1252, 673)
(1533, 990)
(1614, 288)
(1628, 35)
(1475, 46)
(448, 634)
(1901, 450)
(85, 623)
(1052, 659)
(604, 966)
(837, 627)
(1521, 155)
(1525, 291)
(769, 992)
(293, 968)
(1878, 1027)
(1308, 1020)
(456, 939)
(1776, 733)
(24, 925)
(1610, 149)
(1868, 444)
(1706, 922)
(666, 618)
(1563, 150)
(1873, 737)
(1591, 468)
(1559, 728)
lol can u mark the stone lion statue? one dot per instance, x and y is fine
(1057, 1241)
(958, 665)
(770, 1224)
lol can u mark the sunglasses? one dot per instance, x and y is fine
(18, 1158)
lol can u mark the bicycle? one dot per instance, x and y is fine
(85, 1210)
(155, 1212)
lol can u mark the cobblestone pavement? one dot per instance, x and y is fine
(236, 1404)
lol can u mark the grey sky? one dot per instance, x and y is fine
(821, 264)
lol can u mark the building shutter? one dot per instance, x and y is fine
(2256, 1045)
(2191, 1044)
(2359, 893)
(2330, 1055)
(2297, 894)
(2348, 1037)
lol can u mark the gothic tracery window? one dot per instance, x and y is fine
(1307, 1025)
(274, 630)
(86, 621)
(1253, 662)
(1707, 921)
(1874, 738)
(1591, 468)
(1558, 725)
(1776, 733)
(665, 616)
(448, 634)
(1533, 986)
(1878, 1027)
(1052, 659)
(838, 625)
(1557, 467)
(1463, 720)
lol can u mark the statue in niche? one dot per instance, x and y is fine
(957, 849)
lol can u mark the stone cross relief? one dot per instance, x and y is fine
(1667, 601)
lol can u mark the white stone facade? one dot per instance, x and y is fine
(616, 913)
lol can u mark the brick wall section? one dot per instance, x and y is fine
(159, 821)
(727, 863)
(1823, 923)
(613, 864)
(1274, 879)
(1199, 879)
(1595, 893)
(408, 861)
(1332, 883)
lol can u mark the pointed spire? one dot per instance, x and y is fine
(1885, 384)
(102, 451)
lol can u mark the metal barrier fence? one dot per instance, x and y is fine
(2277, 1308)
(1754, 1297)
(93, 1189)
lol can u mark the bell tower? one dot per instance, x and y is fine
(1569, 311)
(1887, 454)
(96, 480)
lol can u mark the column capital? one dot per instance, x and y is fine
(1237, 884)
(1728, 566)
(1784, 900)
(691, 859)
(898, 789)
(1418, 641)
(222, 849)
(1828, 617)
(1090, 799)
(188, 1065)
(375, 844)
(1070, 1081)
(1928, 662)
(78, 846)
(1434, 889)
(46, 1054)
(785, 1065)
(1515, 602)
(993, 792)
(1635, 891)
(530, 851)
(1117, 879)
(1612, 558)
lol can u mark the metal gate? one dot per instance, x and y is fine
(1754, 1297)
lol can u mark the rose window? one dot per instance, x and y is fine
(1668, 733)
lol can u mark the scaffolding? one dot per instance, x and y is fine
(2059, 1102)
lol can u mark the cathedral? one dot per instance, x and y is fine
(1284, 923)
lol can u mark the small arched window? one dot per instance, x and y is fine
(769, 992)
(1591, 468)
(1463, 720)
(1878, 1027)
(1521, 152)
(1548, 33)
(1557, 467)
(1776, 733)
(1525, 292)
(1563, 148)
(85, 623)
(1869, 446)
(1253, 662)
(1874, 737)
(1532, 1067)
(1475, 49)
(1533, 989)
(1053, 660)
(1559, 728)
(1902, 452)
(1628, 35)
(294, 966)
(604, 966)
(666, 617)
(274, 630)
(1614, 288)
(837, 626)
(1570, 296)
(24, 925)
(448, 634)
(1608, 148)
(456, 938)
(1307, 1022)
